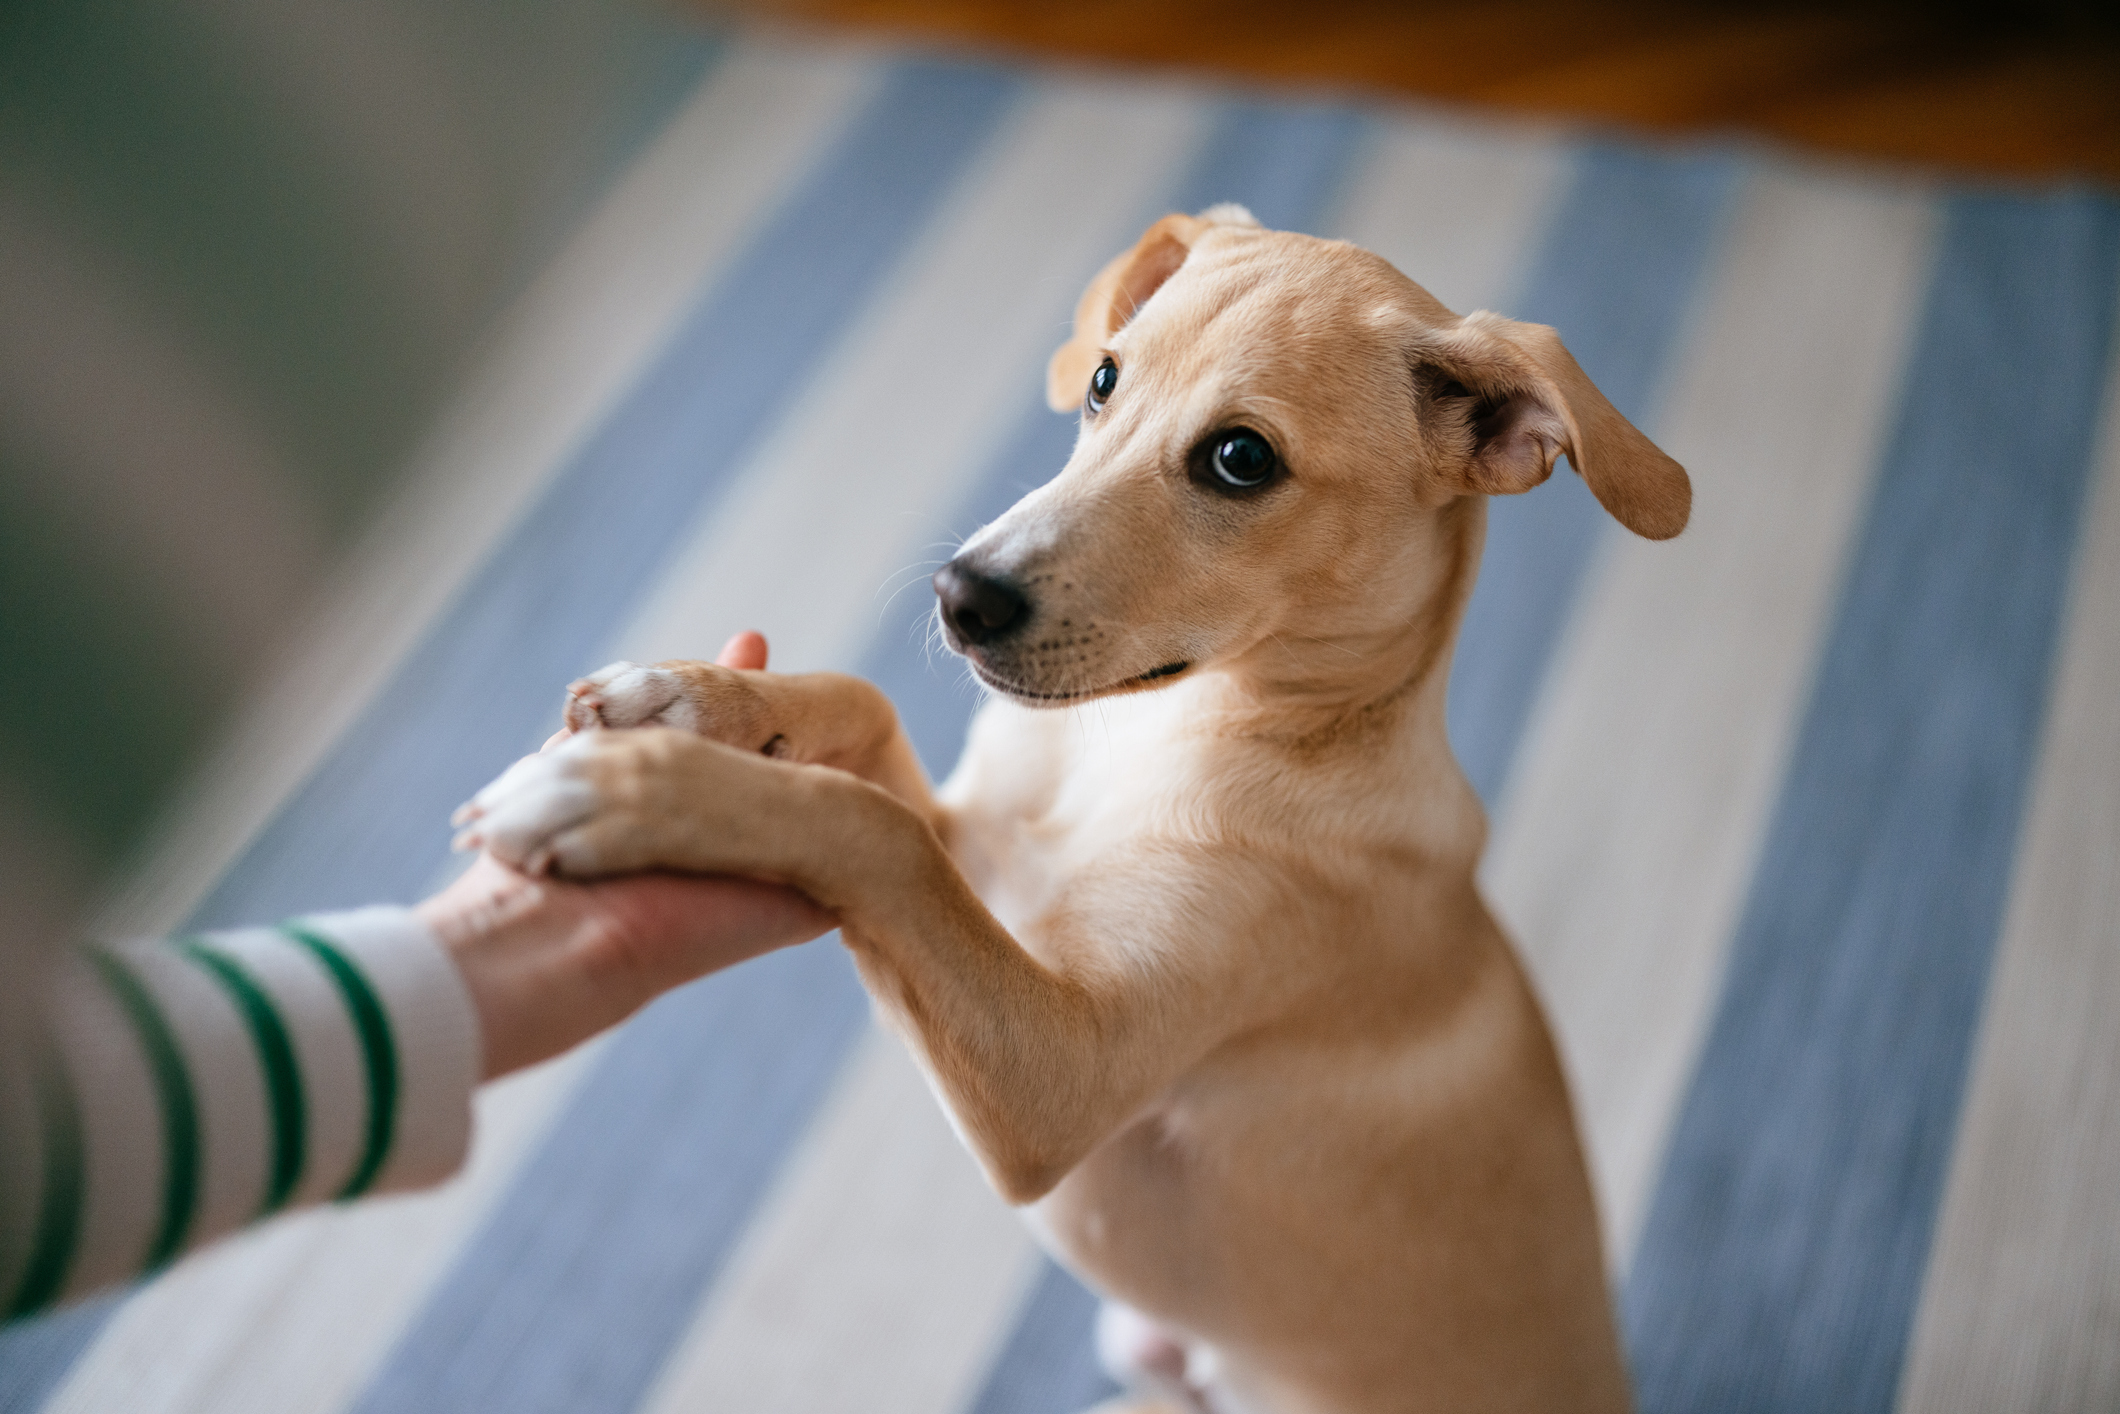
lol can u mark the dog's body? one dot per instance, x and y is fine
(1200, 970)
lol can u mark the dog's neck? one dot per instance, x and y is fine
(1370, 704)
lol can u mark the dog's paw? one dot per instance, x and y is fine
(703, 698)
(521, 817)
(630, 695)
(610, 802)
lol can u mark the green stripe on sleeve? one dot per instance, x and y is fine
(59, 1207)
(372, 1024)
(180, 1110)
(276, 1059)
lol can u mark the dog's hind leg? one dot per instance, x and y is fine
(1153, 1364)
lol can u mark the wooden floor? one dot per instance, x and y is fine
(2031, 90)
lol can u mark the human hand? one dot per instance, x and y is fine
(549, 963)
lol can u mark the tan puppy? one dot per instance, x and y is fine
(1200, 970)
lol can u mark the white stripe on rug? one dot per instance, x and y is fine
(882, 1223)
(1624, 847)
(2020, 1307)
(878, 1277)
(577, 339)
(1457, 210)
(294, 1317)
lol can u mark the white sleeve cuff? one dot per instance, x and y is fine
(430, 1030)
(187, 1087)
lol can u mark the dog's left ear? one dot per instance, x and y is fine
(1121, 288)
(1501, 400)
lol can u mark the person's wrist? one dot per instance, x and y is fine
(524, 948)
(548, 963)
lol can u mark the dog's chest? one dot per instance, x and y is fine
(1041, 797)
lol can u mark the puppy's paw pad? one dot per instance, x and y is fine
(630, 695)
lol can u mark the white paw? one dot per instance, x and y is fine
(521, 817)
(629, 695)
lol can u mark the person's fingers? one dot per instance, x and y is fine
(746, 650)
(676, 927)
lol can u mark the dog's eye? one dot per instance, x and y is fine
(1101, 383)
(1241, 459)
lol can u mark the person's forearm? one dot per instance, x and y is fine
(323, 1059)
(175, 1090)
(538, 966)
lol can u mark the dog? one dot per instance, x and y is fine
(1189, 943)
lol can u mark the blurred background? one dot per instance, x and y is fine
(246, 252)
(250, 248)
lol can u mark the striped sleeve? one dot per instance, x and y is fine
(173, 1090)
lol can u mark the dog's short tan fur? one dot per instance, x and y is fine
(1200, 970)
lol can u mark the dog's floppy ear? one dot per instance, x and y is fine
(1503, 399)
(1121, 288)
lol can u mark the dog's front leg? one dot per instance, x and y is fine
(1039, 1063)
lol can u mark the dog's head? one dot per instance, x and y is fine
(1284, 443)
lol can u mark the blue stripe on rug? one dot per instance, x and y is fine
(1617, 275)
(589, 1270)
(1049, 1362)
(592, 1264)
(35, 1355)
(1286, 163)
(485, 684)
(1785, 1248)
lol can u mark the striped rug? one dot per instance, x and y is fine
(1808, 822)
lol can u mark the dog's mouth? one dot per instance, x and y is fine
(1136, 683)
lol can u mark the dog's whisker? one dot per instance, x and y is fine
(1355, 654)
(914, 569)
(1295, 660)
(930, 630)
(885, 609)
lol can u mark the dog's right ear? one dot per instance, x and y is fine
(1111, 299)
(1501, 401)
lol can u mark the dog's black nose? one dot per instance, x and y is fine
(981, 609)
